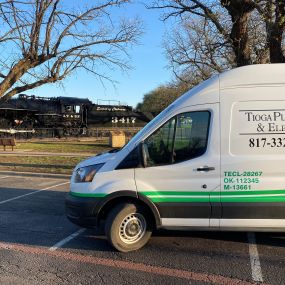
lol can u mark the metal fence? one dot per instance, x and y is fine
(67, 133)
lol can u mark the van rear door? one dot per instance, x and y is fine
(183, 167)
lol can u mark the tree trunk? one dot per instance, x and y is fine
(14, 75)
(240, 11)
(274, 14)
(275, 45)
(240, 40)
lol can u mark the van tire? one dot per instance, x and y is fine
(128, 227)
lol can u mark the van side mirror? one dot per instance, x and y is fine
(143, 154)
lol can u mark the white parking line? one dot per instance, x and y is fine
(31, 193)
(254, 259)
(66, 240)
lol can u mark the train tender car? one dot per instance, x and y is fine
(115, 115)
(66, 113)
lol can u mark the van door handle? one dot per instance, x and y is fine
(205, 168)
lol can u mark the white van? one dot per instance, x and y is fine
(214, 159)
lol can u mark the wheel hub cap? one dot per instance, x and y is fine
(132, 228)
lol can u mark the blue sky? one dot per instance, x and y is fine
(148, 61)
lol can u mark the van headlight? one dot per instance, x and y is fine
(87, 173)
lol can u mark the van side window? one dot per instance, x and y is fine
(191, 135)
(182, 138)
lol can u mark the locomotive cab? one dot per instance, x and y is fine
(74, 111)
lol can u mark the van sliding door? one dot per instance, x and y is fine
(253, 144)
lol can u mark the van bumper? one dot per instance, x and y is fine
(83, 211)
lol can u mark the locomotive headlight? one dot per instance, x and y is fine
(87, 173)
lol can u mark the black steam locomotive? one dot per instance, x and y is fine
(66, 113)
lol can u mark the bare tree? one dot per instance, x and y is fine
(195, 51)
(240, 12)
(44, 41)
(210, 36)
(235, 32)
(214, 35)
(273, 15)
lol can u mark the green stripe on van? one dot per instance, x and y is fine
(205, 196)
(249, 192)
(269, 199)
(192, 199)
(176, 193)
(88, 195)
(212, 193)
(217, 196)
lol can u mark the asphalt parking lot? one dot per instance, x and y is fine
(38, 245)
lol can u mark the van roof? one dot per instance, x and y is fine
(259, 74)
(246, 76)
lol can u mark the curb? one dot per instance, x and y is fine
(40, 175)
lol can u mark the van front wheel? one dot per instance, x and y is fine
(128, 227)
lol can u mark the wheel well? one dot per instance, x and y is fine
(122, 200)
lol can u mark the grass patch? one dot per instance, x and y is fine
(64, 147)
(45, 164)
(51, 163)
